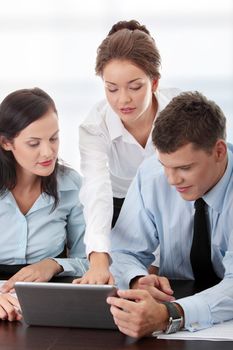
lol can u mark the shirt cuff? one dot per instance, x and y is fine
(123, 279)
(71, 267)
(197, 314)
(100, 245)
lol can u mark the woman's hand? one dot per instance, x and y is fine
(99, 270)
(9, 308)
(96, 276)
(42, 271)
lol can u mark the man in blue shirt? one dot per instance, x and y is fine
(189, 137)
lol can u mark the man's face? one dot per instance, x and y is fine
(194, 171)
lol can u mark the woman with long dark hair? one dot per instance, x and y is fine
(41, 218)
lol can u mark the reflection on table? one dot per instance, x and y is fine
(17, 335)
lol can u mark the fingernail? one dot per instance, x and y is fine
(18, 310)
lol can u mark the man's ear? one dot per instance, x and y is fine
(5, 143)
(220, 150)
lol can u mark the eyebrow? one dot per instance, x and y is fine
(38, 138)
(129, 82)
(176, 167)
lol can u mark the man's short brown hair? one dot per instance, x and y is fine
(189, 118)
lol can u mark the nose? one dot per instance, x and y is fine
(46, 150)
(173, 177)
(124, 96)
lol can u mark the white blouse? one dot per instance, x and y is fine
(110, 157)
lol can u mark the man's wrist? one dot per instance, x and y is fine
(175, 317)
(181, 312)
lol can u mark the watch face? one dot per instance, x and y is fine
(175, 319)
(174, 325)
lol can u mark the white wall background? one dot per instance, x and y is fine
(52, 44)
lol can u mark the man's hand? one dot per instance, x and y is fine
(42, 271)
(136, 313)
(9, 308)
(159, 287)
(99, 271)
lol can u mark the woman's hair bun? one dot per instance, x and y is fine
(131, 25)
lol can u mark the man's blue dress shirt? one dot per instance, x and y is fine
(155, 214)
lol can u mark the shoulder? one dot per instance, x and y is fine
(96, 115)
(230, 147)
(155, 191)
(150, 171)
(165, 95)
(169, 92)
(68, 179)
(151, 165)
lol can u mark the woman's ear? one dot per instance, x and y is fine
(5, 143)
(155, 83)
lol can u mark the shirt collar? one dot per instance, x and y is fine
(215, 197)
(114, 124)
(67, 180)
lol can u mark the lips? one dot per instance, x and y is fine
(182, 189)
(46, 163)
(127, 110)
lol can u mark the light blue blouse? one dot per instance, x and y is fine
(155, 214)
(43, 233)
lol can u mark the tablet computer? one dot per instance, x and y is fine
(65, 304)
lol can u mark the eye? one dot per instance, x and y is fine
(33, 144)
(54, 139)
(185, 167)
(111, 89)
(135, 88)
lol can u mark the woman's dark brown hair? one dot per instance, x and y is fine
(17, 111)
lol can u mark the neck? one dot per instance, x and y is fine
(141, 128)
(222, 169)
(26, 181)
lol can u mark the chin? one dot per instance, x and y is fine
(46, 172)
(188, 197)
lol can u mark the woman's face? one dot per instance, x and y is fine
(129, 90)
(36, 147)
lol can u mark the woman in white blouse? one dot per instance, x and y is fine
(116, 136)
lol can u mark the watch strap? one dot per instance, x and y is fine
(175, 319)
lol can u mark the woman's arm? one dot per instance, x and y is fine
(96, 192)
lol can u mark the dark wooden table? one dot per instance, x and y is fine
(19, 336)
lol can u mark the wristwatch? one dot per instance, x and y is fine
(175, 319)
